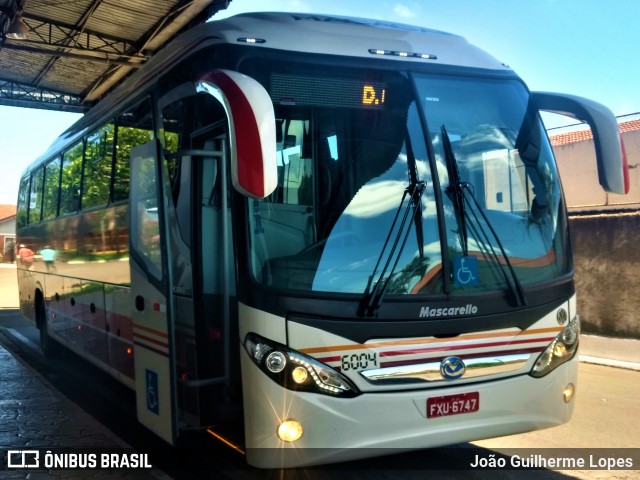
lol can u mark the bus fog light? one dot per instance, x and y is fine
(276, 361)
(299, 375)
(568, 392)
(290, 431)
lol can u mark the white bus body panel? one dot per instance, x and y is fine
(382, 417)
(338, 429)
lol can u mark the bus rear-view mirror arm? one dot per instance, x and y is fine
(613, 172)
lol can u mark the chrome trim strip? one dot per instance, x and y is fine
(430, 372)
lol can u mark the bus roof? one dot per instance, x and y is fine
(353, 37)
(295, 32)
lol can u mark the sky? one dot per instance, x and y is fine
(583, 47)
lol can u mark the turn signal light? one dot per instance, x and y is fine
(568, 392)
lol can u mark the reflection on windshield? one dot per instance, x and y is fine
(343, 173)
(516, 234)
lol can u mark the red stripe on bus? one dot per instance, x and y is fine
(159, 333)
(329, 359)
(414, 351)
(151, 349)
(416, 361)
(150, 340)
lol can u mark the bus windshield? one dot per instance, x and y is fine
(413, 184)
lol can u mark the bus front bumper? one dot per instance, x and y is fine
(372, 424)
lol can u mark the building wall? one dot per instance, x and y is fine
(8, 226)
(604, 229)
(607, 264)
(7, 231)
(579, 173)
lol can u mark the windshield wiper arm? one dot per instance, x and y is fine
(455, 190)
(375, 290)
(413, 180)
(460, 192)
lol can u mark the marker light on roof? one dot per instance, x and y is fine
(251, 40)
(424, 56)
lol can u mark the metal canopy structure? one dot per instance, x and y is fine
(67, 54)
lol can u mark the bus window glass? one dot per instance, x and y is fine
(342, 175)
(135, 127)
(345, 171)
(146, 238)
(295, 182)
(51, 189)
(98, 156)
(35, 196)
(70, 183)
(507, 188)
(177, 119)
(23, 203)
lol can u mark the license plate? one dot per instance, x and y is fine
(453, 404)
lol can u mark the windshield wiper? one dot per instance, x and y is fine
(375, 290)
(455, 190)
(461, 194)
(413, 180)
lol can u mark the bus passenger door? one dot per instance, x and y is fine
(151, 306)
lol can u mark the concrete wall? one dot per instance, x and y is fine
(607, 263)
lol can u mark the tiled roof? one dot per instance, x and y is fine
(581, 135)
(7, 211)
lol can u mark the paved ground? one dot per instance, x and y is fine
(33, 415)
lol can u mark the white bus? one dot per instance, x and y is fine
(315, 237)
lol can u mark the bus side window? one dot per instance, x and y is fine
(51, 189)
(294, 163)
(145, 234)
(35, 197)
(70, 184)
(23, 195)
(134, 127)
(98, 159)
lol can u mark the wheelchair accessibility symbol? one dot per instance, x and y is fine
(465, 270)
(152, 391)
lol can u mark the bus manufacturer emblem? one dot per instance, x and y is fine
(562, 316)
(452, 368)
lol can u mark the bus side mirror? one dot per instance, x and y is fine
(252, 130)
(613, 172)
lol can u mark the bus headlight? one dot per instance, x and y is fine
(561, 350)
(296, 371)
